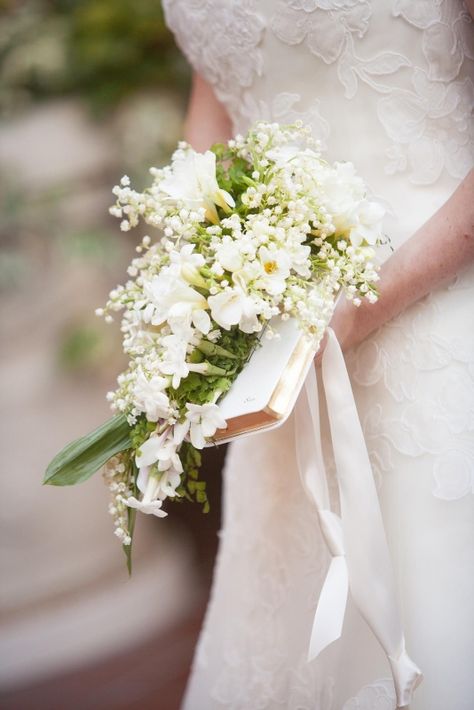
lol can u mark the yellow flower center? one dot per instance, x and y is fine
(270, 267)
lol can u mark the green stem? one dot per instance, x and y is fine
(208, 348)
(205, 368)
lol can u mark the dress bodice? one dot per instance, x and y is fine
(386, 84)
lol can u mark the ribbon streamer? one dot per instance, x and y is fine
(356, 539)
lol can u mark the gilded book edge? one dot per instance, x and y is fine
(282, 399)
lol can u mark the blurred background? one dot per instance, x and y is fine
(89, 90)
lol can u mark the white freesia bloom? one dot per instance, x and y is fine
(250, 272)
(164, 483)
(150, 504)
(186, 256)
(167, 456)
(152, 507)
(150, 398)
(352, 214)
(226, 307)
(148, 451)
(276, 269)
(188, 263)
(174, 298)
(192, 181)
(173, 361)
(169, 482)
(367, 223)
(228, 254)
(203, 421)
(234, 307)
(249, 322)
(161, 450)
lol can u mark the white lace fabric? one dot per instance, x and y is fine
(387, 84)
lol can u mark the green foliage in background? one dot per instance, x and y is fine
(102, 49)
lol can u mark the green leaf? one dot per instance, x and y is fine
(83, 457)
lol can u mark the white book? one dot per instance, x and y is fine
(265, 392)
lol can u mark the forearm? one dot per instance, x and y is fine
(206, 121)
(434, 255)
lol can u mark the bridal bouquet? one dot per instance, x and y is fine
(259, 227)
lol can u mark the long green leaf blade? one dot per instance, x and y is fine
(83, 457)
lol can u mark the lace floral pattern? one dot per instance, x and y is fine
(220, 40)
(328, 29)
(376, 696)
(431, 378)
(429, 122)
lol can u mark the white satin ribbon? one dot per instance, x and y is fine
(356, 539)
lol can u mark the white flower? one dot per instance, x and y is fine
(173, 297)
(173, 358)
(162, 450)
(188, 264)
(162, 484)
(367, 223)
(249, 322)
(167, 456)
(342, 188)
(203, 421)
(228, 255)
(178, 370)
(186, 256)
(149, 486)
(226, 307)
(231, 307)
(152, 507)
(150, 398)
(276, 268)
(192, 181)
(148, 451)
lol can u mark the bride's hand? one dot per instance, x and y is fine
(433, 256)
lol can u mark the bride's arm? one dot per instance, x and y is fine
(435, 254)
(206, 121)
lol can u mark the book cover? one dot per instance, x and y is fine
(265, 392)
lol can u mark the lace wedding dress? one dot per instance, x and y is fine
(387, 85)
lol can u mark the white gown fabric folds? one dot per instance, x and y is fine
(388, 85)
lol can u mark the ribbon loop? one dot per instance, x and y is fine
(356, 540)
(406, 676)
